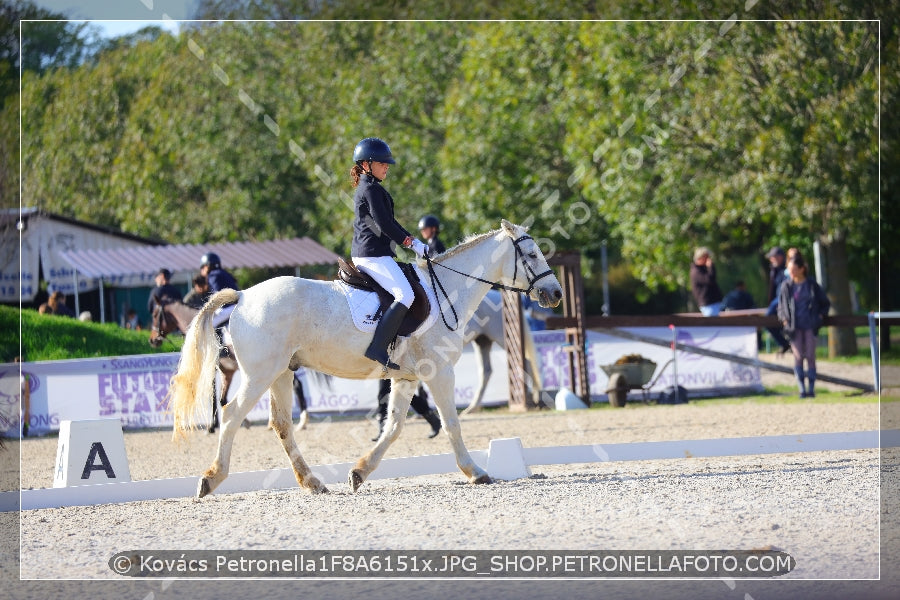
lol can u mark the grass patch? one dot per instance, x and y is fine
(51, 337)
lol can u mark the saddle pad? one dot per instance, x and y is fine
(364, 305)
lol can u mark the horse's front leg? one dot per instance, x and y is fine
(442, 388)
(402, 391)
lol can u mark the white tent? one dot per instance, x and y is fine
(33, 239)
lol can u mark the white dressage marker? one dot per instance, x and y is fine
(90, 451)
(506, 459)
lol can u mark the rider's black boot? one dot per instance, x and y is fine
(385, 332)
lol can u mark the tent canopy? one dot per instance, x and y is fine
(119, 265)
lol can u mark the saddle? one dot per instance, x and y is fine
(418, 312)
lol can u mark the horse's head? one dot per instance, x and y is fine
(161, 322)
(530, 268)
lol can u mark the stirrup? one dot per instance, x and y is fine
(385, 362)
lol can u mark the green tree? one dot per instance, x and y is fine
(730, 138)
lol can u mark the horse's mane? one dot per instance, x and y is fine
(468, 242)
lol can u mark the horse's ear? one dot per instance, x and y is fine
(509, 228)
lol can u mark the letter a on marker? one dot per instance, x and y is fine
(95, 452)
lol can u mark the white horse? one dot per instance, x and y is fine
(484, 329)
(288, 322)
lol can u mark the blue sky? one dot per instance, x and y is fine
(119, 17)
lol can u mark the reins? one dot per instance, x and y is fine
(494, 284)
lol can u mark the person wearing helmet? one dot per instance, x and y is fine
(374, 231)
(217, 277)
(430, 227)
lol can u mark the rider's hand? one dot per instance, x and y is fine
(419, 248)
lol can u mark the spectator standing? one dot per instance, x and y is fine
(164, 291)
(738, 298)
(802, 308)
(777, 275)
(217, 278)
(57, 305)
(199, 293)
(704, 286)
(429, 228)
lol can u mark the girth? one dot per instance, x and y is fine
(418, 312)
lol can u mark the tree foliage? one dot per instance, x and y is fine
(653, 136)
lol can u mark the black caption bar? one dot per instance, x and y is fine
(444, 563)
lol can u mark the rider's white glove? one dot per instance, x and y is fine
(419, 248)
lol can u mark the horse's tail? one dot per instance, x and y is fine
(532, 357)
(193, 381)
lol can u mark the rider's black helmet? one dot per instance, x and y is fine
(211, 259)
(429, 221)
(375, 149)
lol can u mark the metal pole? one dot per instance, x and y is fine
(75, 279)
(102, 303)
(873, 345)
(674, 359)
(605, 268)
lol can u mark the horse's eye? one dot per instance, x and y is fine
(532, 255)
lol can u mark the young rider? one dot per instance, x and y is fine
(374, 228)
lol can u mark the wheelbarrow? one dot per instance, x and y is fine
(625, 376)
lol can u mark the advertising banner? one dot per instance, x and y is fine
(134, 388)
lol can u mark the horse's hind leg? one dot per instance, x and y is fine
(402, 391)
(442, 392)
(280, 405)
(232, 415)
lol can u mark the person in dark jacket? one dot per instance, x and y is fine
(57, 305)
(802, 308)
(777, 275)
(738, 298)
(430, 229)
(164, 291)
(217, 278)
(374, 231)
(704, 286)
(199, 293)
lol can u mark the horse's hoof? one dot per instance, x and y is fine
(356, 480)
(315, 486)
(483, 479)
(203, 488)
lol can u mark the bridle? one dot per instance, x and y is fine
(160, 323)
(530, 276)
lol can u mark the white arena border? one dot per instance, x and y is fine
(509, 457)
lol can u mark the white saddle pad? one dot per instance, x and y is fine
(364, 305)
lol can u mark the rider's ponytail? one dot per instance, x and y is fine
(355, 172)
